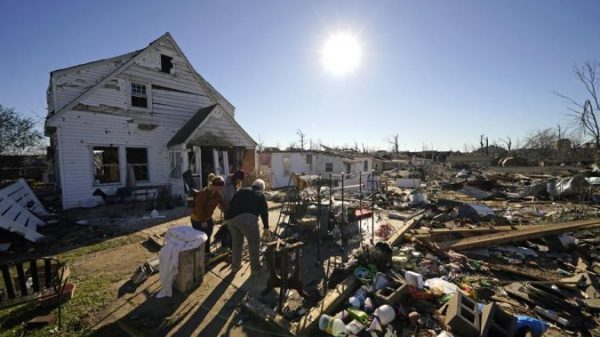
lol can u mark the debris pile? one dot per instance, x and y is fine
(467, 253)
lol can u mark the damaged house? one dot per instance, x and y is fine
(280, 164)
(139, 120)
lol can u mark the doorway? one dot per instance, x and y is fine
(207, 164)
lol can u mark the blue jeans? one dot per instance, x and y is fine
(206, 227)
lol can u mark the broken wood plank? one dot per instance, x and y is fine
(517, 235)
(397, 236)
(327, 306)
(266, 314)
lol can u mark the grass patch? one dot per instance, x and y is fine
(93, 292)
(71, 256)
(91, 295)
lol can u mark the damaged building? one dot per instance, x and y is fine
(139, 121)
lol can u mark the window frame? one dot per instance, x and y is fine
(171, 69)
(147, 180)
(93, 164)
(328, 167)
(148, 87)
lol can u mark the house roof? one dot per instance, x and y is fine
(129, 59)
(204, 121)
(190, 126)
(124, 58)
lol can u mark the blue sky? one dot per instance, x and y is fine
(438, 73)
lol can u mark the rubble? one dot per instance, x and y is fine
(471, 253)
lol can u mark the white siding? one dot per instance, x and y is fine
(104, 118)
(71, 83)
(221, 125)
(298, 165)
(80, 131)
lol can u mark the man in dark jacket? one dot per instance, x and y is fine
(242, 219)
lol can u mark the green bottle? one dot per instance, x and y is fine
(358, 315)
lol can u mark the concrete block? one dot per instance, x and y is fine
(496, 323)
(393, 293)
(463, 316)
(190, 270)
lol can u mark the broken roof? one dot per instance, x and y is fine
(125, 61)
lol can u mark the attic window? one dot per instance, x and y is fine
(166, 64)
(139, 96)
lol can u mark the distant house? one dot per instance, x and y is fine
(280, 164)
(139, 120)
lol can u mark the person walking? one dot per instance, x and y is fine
(205, 202)
(242, 219)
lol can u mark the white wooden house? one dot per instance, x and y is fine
(281, 164)
(139, 120)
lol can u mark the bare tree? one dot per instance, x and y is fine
(291, 146)
(260, 146)
(481, 142)
(584, 115)
(508, 142)
(302, 136)
(487, 146)
(395, 146)
(541, 139)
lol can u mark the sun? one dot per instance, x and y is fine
(341, 53)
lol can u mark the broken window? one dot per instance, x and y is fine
(176, 163)
(309, 159)
(328, 167)
(106, 165)
(286, 166)
(137, 159)
(166, 64)
(365, 165)
(139, 95)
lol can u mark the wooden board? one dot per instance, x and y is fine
(517, 235)
(327, 306)
(397, 236)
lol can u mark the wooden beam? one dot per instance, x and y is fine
(518, 235)
(397, 236)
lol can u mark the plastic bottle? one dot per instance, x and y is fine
(332, 326)
(358, 315)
